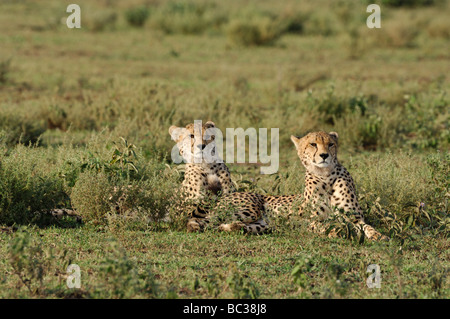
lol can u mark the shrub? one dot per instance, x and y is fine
(322, 23)
(401, 191)
(424, 122)
(29, 261)
(20, 127)
(401, 179)
(254, 32)
(294, 22)
(28, 185)
(5, 68)
(396, 34)
(332, 107)
(188, 17)
(438, 211)
(439, 27)
(101, 20)
(90, 196)
(122, 181)
(137, 16)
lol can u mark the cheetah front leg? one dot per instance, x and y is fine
(227, 186)
(344, 197)
(197, 217)
(316, 204)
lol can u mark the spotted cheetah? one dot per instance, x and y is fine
(328, 185)
(209, 177)
(203, 176)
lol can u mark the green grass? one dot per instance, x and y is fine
(202, 265)
(85, 113)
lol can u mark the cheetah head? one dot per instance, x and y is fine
(317, 151)
(196, 141)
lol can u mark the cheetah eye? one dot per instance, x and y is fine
(331, 145)
(313, 144)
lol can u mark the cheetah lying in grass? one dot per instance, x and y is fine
(328, 185)
(208, 179)
(329, 189)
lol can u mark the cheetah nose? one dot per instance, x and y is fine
(324, 156)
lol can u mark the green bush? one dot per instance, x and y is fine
(322, 23)
(121, 181)
(188, 17)
(395, 34)
(260, 30)
(425, 121)
(332, 107)
(5, 68)
(400, 191)
(439, 27)
(28, 185)
(294, 22)
(90, 196)
(20, 127)
(101, 20)
(438, 211)
(137, 16)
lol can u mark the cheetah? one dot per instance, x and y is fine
(208, 177)
(328, 185)
(203, 176)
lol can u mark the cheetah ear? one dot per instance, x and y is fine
(334, 134)
(210, 129)
(296, 141)
(173, 132)
(210, 124)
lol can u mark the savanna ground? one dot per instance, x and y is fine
(84, 113)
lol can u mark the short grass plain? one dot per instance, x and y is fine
(68, 96)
